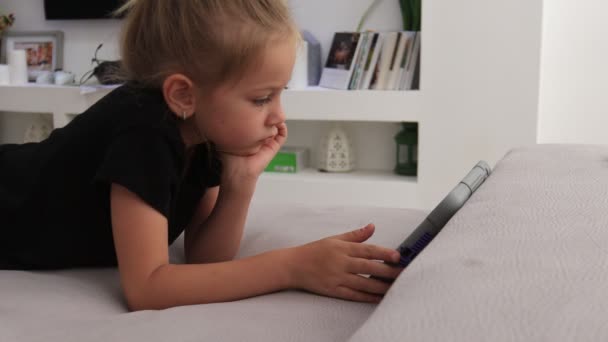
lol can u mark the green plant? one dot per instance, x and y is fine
(411, 11)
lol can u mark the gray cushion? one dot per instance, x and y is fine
(526, 259)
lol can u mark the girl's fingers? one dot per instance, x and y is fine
(357, 296)
(368, 285)
(373, 252)
(281, 136)
(282, 130)
(374, 268)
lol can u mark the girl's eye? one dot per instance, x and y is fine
(262, 101)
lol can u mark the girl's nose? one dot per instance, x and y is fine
(277, 116)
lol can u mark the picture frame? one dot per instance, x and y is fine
(44, 50)
(341, 60)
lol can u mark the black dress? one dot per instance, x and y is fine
(55, 195)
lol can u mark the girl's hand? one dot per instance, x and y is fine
(335, 266)
(250, 167)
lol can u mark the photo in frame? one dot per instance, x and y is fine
(44, 50)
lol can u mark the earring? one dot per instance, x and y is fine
(184, 115)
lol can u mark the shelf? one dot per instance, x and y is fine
(317, 103)
(368, 188)
(350, 177)
(57, 100)
(35, 98)
(312, 103)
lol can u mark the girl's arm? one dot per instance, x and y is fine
(150, 282)
(216, 236)
(331, 266)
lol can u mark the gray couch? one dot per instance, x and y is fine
(524, 260)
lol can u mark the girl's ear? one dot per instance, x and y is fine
(179, 92)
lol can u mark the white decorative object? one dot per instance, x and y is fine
(17, 64)
(39, 129)
(46, 77)
(337, 153)
(307, 69)
(64, 78)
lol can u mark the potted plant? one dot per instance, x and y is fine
(6, 21)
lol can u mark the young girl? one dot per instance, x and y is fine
(178, 147)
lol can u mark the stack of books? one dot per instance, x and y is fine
(373, 60)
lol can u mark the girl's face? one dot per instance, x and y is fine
(238, 118)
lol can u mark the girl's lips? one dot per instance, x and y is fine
(269, 138)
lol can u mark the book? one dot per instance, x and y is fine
(416, 79)
(401, 78)
(412, 63)
(395, 71)
(340, 63)
(358, 68)
(371, 61)
(386, 58)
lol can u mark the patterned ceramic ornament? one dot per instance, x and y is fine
(337, 153)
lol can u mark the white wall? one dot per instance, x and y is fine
(82, 37)
(573, 105)
(480, 81)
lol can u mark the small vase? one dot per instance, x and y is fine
(337, 153)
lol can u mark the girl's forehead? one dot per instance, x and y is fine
(274, 67)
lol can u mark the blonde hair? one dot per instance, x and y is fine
(210, 41)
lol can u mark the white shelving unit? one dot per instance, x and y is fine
(363, 187)
(479, 99)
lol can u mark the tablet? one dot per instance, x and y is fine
(437, 219)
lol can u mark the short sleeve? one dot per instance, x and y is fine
(146, 163)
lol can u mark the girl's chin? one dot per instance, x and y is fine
(243, 152)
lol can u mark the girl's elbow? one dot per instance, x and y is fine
(140, 295)
(142, 303)
(137, 302)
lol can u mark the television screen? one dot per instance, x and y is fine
(78, 9)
